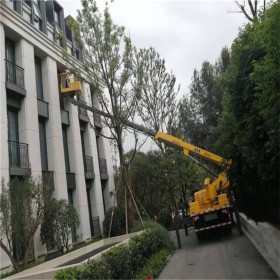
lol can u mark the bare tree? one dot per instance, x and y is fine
(251, 8)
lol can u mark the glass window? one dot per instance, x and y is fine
(11, 58)
(13, 125)
(11, 4)
(66, 152)
(39, 82)
(10, 50)
(77, 54)
(13, 136)
(56, 18)
(43, 145)
(37, 16)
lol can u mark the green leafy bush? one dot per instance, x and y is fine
(67, 274)
(118, 223)
(124, 261)
(154, 265)
(118, 259)
(148, 224)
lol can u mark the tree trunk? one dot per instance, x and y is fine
(26, 252)
(9, 253)
(125, 180)
(125, 177)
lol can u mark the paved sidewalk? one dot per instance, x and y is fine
(224, 257)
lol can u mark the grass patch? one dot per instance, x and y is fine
(154, 265)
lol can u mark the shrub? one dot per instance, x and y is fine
(67, 274)
(154, 265)
(147, 223)
(118, 259)
(124, 261)
(118, 223)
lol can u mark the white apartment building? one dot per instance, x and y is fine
(41, 132)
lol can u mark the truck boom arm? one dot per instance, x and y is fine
(188, 149)
(191, 149)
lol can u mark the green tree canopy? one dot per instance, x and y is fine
(201, 108)
(250, 126)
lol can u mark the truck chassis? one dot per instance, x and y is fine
(219, 218)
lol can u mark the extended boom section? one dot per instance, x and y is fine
(191, 149)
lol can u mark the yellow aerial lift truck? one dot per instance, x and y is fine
(212, 207)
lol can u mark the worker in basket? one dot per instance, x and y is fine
(69, 77)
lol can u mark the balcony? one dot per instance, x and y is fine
(103, 169)
(83, 116)
(43, 108)
(15, 79)
(64, 117)
(97, 120)
(88, 164)
(71, 181)
(19, 159)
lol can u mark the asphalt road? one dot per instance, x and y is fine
(217, 257)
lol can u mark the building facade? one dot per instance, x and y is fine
(42, 133)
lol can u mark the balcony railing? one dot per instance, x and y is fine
(18, 154)
(14, 74)
(89, 171)
(103, 169)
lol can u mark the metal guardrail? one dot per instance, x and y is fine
(14, 74)
(95, 227)
(18, 154)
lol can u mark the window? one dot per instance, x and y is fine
(10, 50)
(11, 4)
(43, 145)
(57, 20)
(11, 60)
(37, 20)
(39, 82)
(12, 125)
(77, 54)
(65, 146)
(13, 137)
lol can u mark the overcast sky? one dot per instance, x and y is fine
(184, 33)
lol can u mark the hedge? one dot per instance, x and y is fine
(124, 261)
(154, 265)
